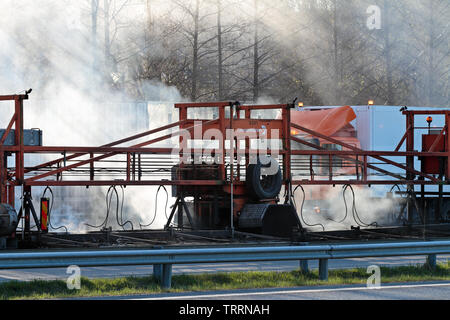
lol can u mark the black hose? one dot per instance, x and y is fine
(354, 211)
(105, 222)
(400, 217)
(156, 207)
(395, 185)
(301, 208)
(121, 223)
(345, 203)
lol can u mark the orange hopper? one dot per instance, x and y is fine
(326, 122)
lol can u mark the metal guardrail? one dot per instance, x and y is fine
(163, 259)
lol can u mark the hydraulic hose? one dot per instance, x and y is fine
(354, 211)
(156, 207)
(301, 208)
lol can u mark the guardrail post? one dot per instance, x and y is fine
(166, 281)
(431, 261)
(157, 268)
(157, 271)
(323, 269)
(304, 266)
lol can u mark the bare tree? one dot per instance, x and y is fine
(94, 27)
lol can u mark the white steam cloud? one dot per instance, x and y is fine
(48, 46)
(340, 208)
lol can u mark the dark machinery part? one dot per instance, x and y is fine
(279, 220)
(263, 179)
(8, 220)
(210, 207)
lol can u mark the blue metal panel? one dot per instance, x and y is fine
(32, 137)
(9, 139)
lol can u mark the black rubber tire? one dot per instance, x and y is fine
(269, 189)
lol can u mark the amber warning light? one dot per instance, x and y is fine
(429, 121)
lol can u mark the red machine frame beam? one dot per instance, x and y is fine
(408, 169)
(363, 163)
(403, 139)
(362, 182)
(127, 183)
(134, 137)
(8, 129)
(6, 191)
(446, 113)
(325, 152)
(91, 160)
(438, 139)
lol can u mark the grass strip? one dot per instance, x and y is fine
(45, 289)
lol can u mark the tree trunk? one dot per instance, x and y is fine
(255, 57)
(94, 25)
(219, 50)
(195, 53)
(107, 4)
(336, 78)
(149, 25)
(431, 70)
(388, 53)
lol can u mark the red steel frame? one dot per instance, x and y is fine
(410, 154)
(6, 188)
(28, 177)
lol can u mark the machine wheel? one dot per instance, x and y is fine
(263, 179)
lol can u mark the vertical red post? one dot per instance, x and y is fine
(91, 168)
(447, 123)
(128, 166)
(286, 116)
(238, 148)
(222, 142)
(365, 168)
(409, 161)
(183, 143)
(19, 139)
(11, 196)
(3, 188)
(330, 172)
(409, 143)
(248, 116)
(231, 145)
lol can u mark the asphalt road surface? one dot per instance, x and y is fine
(401, 291)
(123, 271)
